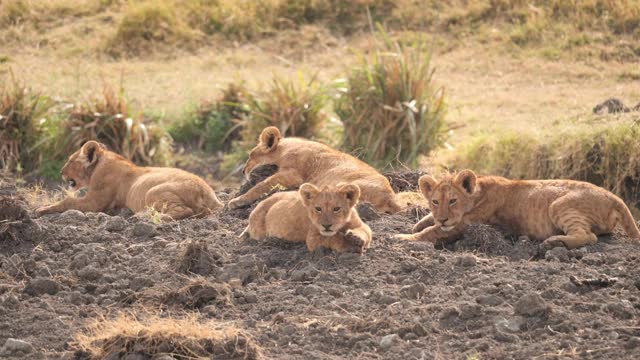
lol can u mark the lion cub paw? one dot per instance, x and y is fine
(237, 203)
(44, 210)
(551, 243)
(354, 242)
(404, 237)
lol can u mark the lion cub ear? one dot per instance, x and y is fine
(427, 183)
(270, 137)
(466, 179)
(92, 150)
(351, 192)
(308, 192)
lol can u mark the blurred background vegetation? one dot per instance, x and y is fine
(196, 81)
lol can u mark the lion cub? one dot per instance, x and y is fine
(560, 212)
(326, 218)
(114, 182)
(301, 161)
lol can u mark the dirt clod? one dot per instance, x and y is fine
(143, 230)
(73, 217)
(387, 341)
(532, 304)
(466, 260)
(197, 258)
(115, 224)
(15, 347)
(41, 286)
(367, 212)
(198, 294)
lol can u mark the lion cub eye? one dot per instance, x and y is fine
(336, 209)
(318, 209)
(435, 202)
(452, 201)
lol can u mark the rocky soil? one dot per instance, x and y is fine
(487, 296)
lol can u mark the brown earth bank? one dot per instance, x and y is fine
(488, 296)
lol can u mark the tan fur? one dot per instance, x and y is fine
(114, 182)
(560, 212)
(301, 161)
(321, 218)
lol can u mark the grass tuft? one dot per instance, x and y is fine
(391, 110)
(213, 126)
(109, 120)
(22, 123)
(182, 338)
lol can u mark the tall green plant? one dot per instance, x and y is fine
(391, 110)
(214, 125)
(109, 120)
(22, 116)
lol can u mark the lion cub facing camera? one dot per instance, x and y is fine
(320, 217)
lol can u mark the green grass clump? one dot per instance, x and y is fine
(601, 150)
(213, 126)
(109, 120)
(22, 125)
(391, 110)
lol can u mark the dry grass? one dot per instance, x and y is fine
(144, 26)
(182, 338)
(37, 194)
(110, 120)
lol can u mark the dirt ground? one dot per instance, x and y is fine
(488, 296)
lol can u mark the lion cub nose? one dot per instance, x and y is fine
(327, 227)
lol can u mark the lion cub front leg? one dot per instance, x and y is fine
(432, 234)
(92, 202)
(426, 222)
(287, 179)
(355, 240)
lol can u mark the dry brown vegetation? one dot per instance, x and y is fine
(183, 338)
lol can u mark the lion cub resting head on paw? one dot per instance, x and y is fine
(114, 182)
(320, 217)
(302, 161)
(560, 212)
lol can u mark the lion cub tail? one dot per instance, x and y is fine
(627, 221)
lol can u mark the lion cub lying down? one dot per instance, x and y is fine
(114, 182)
(326, 218)
(560, 212)
(301, 161)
